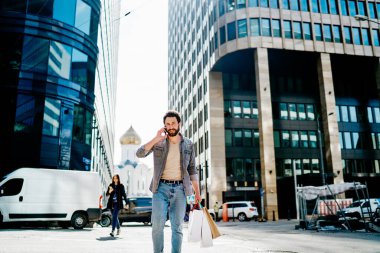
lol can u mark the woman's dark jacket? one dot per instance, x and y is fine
(120, 195)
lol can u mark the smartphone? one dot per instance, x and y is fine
(166, 131)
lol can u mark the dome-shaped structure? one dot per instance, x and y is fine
(130, 137)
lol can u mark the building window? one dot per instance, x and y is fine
(297, 30)
(35, 54)
(228, 136)
(365, 36)
(324, 7)
(276, 28)
(333, 7)
(247, 142)
(274, 4)
(52, 112)
(304, 5)
(347, 35)
(59, 60)
(231, 28)
(318, 32)
(343, 7)
(83, 17)
(255, 26)
(283, 111)
(222, 33)
(288, 29)
(294, 5)
(253, 3)
(242, 28)
(371, 10)
(315, 6)
(313, 139)
(375, 37)
(240, 4)
(295, 139)
(327, 33)
(246, 109)
(285, 139)
(285, 4)
(264, 3)
(266, 30)
(337, 34)
(307, 31)
(230, 5)
(352, 8)
(236, 108)
(356, 35)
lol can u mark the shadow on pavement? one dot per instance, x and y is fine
(107, 238)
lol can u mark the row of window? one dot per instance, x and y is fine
(347, 7)
(242, 137)
(358, 114)
(361, 166)
(240, 109)
(298, 30)
(44, 56)
(287, 167)
(73, 12)
(295, 139)
(293, 111)
(356, 140)
(243, 169)
(27, 116)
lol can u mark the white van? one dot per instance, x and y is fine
(360, 208)
(67, 196)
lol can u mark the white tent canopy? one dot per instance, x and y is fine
(312, 192)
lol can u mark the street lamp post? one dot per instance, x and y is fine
(365, 18)
(321, 151)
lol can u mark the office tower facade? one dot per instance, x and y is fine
(58, 68)
(276, 94)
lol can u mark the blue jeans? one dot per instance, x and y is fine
(115, 216)
(174, 196)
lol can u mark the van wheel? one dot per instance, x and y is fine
(105, 221)
(79, 221)
(242, 217)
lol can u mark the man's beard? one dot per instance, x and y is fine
(171, 134)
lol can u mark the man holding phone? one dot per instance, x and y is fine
(175, 177)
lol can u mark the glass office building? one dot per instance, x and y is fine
(257, 83)
(57, 87)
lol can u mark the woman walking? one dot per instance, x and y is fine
(116, 193)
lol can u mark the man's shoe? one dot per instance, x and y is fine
(112, 234)
(118, 232)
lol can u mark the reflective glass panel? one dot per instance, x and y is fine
(222, 7)
(236, 106)
(256, 138)
(40, 7)
(297, 165)
(83, 17)
(264, 3)
(355, 140)
(310, 112)
(344, 113)
(276, 28)
(372, 12)
(292, 112)
(288, 29)
(352, 8)
(52, 113)
(297, 30)
(312, 139)
(285, 4)
(231, 27)
(343, 7)
(253, 3)
(369, 115)
(347, 140)
(353, 114)
(306, 166)
(337, 34)
(274, 4)
(324, 7)
(315, 6)
(295, 139)
(230, 5)
(242, 28)
(333, 7)
(337, 113)
(356, 35)
(347, 35)
(376, 111)
(304, 139)
(375, 37)
(307, 31)
(301, 112)
(341, 140)
(79, 68)
(318, 32)
(361, 8)
(64, 10)
(35, 54)
(255, 111)
(246, 109)
(228, 134)
(255, 26)
(276, 136)
(240, 4)
(12, 5)
(222, 33)
(365, 36)
(285, 138)
(266, 30)
(247, 138)
(294, 5)
(25, 114)
(59, 60)
(315, 165)
(283, 111)
(304, 5)
(238, 137)
(327, 33)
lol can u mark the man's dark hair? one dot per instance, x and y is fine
(172, 113)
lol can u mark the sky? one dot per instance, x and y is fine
(142, 70)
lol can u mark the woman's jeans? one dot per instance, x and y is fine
(168, 197)
(115, 218)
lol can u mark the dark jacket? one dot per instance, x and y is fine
(120, 195)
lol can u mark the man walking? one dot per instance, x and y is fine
(174, 177)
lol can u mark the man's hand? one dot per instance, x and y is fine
(198, 197)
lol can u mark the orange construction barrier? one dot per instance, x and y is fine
(225, 213)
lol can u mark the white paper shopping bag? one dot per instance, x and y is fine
(195, 226)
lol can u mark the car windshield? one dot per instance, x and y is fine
(141, 201)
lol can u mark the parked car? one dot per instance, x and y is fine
(71, 198)
(360, 208)
(241, 210)
(140, 210)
